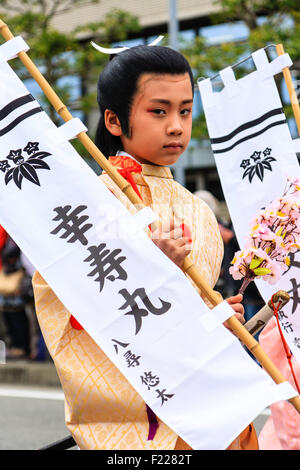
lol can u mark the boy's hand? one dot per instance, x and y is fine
(235, 303)
(171, 240)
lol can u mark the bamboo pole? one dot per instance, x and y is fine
(238, 329)
(291, 89)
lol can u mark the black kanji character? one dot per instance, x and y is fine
(72, 224)
(293, 262)
(131, 359)
(287, 325)
(164, 397)
(137, 312)
(149, 379)
(124, 345)
(282, 315)
(295, 296)
(105, 262)
(297, 342)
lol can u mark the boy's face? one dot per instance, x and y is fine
(161, 119)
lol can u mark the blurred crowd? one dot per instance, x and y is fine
(19, 328)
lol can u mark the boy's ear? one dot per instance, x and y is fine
(112, 122)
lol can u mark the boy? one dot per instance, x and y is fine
(145, 96)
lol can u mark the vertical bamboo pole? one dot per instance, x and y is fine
(291, 89)
(238, 329)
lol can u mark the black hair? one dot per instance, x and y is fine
(117, 86)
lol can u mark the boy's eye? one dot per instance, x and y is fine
(158, 111)
(185, 111)
(161, 112)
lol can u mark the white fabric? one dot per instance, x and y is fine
(296, 143)
(217, 316)
(143, 218)
(67, 131)
(246, 128)
(284, 389)
(11, 48)
(208, 389)
(268, 69)
(230, 83)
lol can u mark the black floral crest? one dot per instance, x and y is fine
(261, 161)
(16, 166)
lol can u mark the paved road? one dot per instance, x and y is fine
(31, 418)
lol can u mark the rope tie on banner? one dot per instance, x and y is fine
(284, 343)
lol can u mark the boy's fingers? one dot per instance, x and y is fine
(176, 233)
(184, 242)
(165, 228)
(235, 299)
(240, 317)
(186, 231)
(238, 308)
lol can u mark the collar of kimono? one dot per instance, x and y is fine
(123, 161)
(126, 166)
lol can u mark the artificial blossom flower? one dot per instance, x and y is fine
(274, 234)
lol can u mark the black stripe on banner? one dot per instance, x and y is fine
(247, 125)
(19, 119)
(278, 123)
(14, 105)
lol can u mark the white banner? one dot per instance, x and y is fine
(130, 298)
(254, 154)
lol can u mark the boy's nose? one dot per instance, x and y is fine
(174, 127)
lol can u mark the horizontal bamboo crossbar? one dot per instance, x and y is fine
(188, 267)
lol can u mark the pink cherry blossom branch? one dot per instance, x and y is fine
(275, 233)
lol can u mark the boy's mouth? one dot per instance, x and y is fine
(173, 145)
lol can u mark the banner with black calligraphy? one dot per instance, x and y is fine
(190, 370)
(254, 154)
